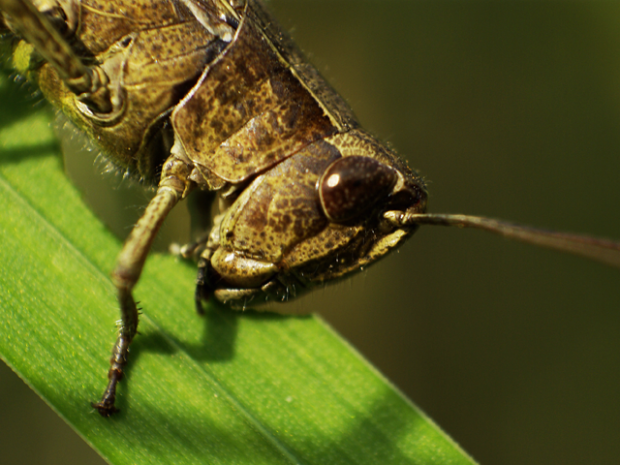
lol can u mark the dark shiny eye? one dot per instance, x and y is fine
(351, 186)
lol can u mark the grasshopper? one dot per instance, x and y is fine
(212, 95)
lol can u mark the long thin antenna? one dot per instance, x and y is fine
(602, 250)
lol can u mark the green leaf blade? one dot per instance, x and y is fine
(228, 388)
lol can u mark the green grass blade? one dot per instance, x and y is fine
(228, 388)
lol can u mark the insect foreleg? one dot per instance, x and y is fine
(173, 187)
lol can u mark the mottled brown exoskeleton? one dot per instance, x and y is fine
(212, 95)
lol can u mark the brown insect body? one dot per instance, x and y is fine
(211, 95)
(235, 110)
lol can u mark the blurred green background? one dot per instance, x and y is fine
(511, 110)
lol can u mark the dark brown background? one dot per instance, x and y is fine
(511, 110)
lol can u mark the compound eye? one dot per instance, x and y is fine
(351, 186)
